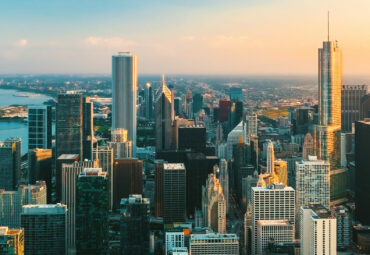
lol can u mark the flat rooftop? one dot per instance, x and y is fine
(68, 156)
(89, 172)
(173, 166)
(213, 236)
(44, 209)
(273, 223)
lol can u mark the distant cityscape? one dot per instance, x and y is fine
(149, 164)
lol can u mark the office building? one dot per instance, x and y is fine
(11, 241)
(224, 109)
(214, 205)
(270, 157)
(351, 104)
(176, 105)
(124, 95)
(10, 163)
(271, 203)
(327, 132)
(188, 104)
(212, 243)
(148, 101)
(365, 107)
(62, 159)
(234, 137)
(318, 231)
(236, 113)
(39, 127)
(236, 94)
(164, 116)
(224, 180)
(344, 225)
(92, 207)
(11, 202)
(174, 193)
(362, 173)
(128, 179)
(252, 124)
(134, 226)
(39, 167)
(281, 171)
(174, 240)
(197, 102)
(308, 147)
(122, 148)
(74, 125)
(281, 231)
(192, 138)
(69, 174)
(44, 229)
(158, 188)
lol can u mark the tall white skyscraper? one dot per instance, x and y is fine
(124, 94)
(271, 203)
(318, 231)
(270, 157)
(122, 148)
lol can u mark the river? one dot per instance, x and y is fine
(17, 128)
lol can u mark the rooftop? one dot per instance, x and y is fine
(213, 236)
(272, 189)
(88, 172)
(68, 156)
(135, 199)
(320, 211)
(173, 166)
(44, 209)
(274, 222)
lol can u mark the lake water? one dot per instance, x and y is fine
(17, 128)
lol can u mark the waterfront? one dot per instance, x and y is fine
(8, 97)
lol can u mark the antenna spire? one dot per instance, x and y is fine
(328, 26)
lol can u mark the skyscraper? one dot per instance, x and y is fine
(74, 125)
(44, 229)
(63, 159)
(11, 241)
(197, 102)
(39, 127)
(224, 180)
(122, 148)
(192, 138)
(10, 163)
(69, 174)
(158, 186)
(327, 132)
(214, 205)
(92, 207)
(128, 179)
(270, 157)
(281, 171)
(164, 116)
(351, 104)
(252, 124)
(124, 94)
(308, 147)
(135, 212)
(362, 159)
(174, 193)
(271, 203)
(215, 244)
(148, 101)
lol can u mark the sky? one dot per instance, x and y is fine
(225, 37)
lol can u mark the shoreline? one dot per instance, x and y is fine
(42, 93)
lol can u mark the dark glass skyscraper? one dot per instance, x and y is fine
(39, 127)
(92, 208)
(10, 163)
(351, 104)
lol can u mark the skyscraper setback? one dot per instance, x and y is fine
(124, 94)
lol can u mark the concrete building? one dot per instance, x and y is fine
(252, 124)
(11, 202)
(39, 127)
(174, 193)
(173, 241)
(281, 171)
(62, 159)
(124, 95)
(277, 230)
(134, 225)
(270, 157)
(271, 203)
(148, 94)
(10, 163)
(318, 231)
(11, 241)
(224, 180)
(69, 176)
(344, 225)
(351, 104)
(44, 229)
(92, 210)
(308, 147)
(122, 148)
(211, 243)
(214, 205)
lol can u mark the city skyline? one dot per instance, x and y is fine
(222, 38)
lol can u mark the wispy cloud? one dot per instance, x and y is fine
(108, 42)
(21, 43)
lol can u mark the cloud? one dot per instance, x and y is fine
(21, 43)
(108, 42)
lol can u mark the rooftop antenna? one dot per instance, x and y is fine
(328, 26)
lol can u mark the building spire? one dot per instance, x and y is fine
(328, 26)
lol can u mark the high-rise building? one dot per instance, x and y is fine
(44, 229)
(10, 163)
(362, 173)
(135, 212)
(308, 147)
(122, 148)
(351, 104)
(236, 94)
(281, 171)
(92, 208)
(343, 226)
(192, 138)
(214, 205)
(174, 240)
(11, 241)
(312, 182)
(158, 188)
(197, 102)
(62, 159)
(271, 203)
(39, 127)
(215, 244)
(124, 94)
(39, 167)
(252, 124)
(164, 116)
(278, 230)
(318, 231)
(176, 105)
(174, 193)
(69, 174)
(236, 113)
(104, 155)
(224, 109)
(128, 179)
(188, 104)
(11, 202)
(270, 157)
(327, 132)
(148, 101)
(224, 180)
(365, 107)
(74, 125)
